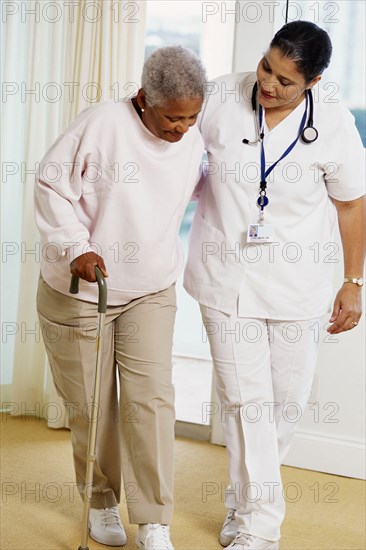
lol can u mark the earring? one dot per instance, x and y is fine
(142, 110)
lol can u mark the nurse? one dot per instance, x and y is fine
(293, 168)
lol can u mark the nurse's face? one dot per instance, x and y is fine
(173, 119)
(280, 84)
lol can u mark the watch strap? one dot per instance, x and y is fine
(355, 280)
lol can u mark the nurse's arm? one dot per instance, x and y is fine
(347, 307)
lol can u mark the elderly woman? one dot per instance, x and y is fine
(263, 297)
(111, 192)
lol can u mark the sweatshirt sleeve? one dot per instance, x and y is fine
(58, 187)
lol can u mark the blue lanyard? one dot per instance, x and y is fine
(263, 199)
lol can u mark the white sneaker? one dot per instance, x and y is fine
(154, 536)
(229, 529)
(105, 526)
(244, 541)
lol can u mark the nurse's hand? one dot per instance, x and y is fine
(347, 309)
(84, 266)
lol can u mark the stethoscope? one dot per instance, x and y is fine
(309, 134)
(306, 132)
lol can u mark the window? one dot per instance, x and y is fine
(201, 27)
(344, 79)
(209, 31)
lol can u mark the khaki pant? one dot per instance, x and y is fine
(135, 431)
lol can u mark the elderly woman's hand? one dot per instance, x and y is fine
(347, 309)
(84, 266)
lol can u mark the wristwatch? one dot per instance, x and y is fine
(354, 280)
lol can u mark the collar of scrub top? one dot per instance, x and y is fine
(263, 199)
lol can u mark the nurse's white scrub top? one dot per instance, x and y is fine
(290, 278)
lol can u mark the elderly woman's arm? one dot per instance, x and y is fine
(348, 305)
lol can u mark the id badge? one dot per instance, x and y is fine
(258, 233)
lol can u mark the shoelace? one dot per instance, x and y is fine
(243, 539)
(158, 536)
(109, 516)
(230, 515)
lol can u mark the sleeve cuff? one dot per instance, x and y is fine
(74, 249)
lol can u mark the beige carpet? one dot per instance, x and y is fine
(42, 510)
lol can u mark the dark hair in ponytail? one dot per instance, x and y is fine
(307, 45)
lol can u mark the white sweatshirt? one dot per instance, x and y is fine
(109, 185)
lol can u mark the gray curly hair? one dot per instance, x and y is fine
(172, 72)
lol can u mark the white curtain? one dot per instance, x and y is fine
(58, 58)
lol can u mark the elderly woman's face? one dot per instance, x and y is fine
(173, 119)
(280, 84)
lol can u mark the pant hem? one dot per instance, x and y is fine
(259, 535)
(164, 517)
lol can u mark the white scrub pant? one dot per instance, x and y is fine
(264, 371)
